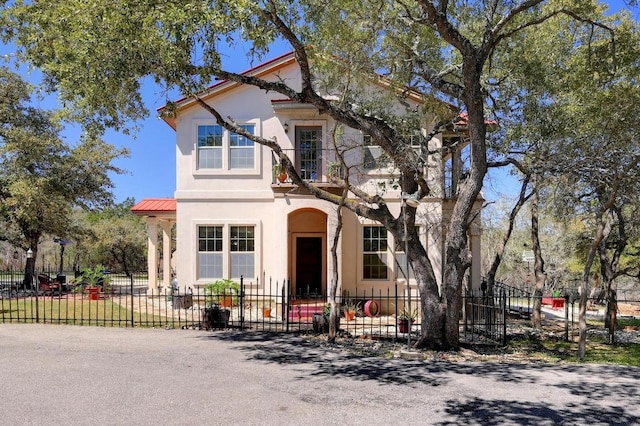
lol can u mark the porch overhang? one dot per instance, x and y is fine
(157, 212)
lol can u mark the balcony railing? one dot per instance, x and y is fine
(313, 165)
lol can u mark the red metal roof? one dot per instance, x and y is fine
(152, 206)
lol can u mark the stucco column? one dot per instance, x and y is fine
(475, 242)
(166, 254)
(152, 255)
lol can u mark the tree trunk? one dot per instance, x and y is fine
(601, 228)
(538, 264)
(334, 281)
(493, 270)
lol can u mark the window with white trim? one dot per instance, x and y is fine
(242, 248)
(401, 259)
(374, 253)
(373, 155)
(220, 149)
(210, 147)
(226, 251)
(241, 149)
(210, 256)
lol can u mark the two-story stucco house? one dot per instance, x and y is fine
(235, 218)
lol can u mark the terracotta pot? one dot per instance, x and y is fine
(282, 176)
(403, 325)
(94, 293)
(349, 315)
(266, 312)
(371, 308)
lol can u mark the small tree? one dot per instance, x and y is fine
(41, 176)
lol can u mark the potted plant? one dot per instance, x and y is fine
(321, 320)
(334, 169)
(351, 309)
(279, 173)
(223, 292)
(266, 311)
(406, 319)
(93, 279)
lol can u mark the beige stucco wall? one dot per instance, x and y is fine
(246, 197)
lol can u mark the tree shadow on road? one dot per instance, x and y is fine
(487, 412)
(618, 385)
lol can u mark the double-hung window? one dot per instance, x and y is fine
(373, 155)
(375, 158)
(220, 149)
(374, 253)
(210, 259)
(242, 247)
(210, 147)
(241, 150)
(226, 251)
(401, 259)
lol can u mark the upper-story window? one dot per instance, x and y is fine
(375, 158)
(223, 150)
(372, 153)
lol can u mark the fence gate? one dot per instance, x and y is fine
(485, 317)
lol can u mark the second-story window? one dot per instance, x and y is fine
(241, 155)
(219, 149)
(375, 158)
(210, 147)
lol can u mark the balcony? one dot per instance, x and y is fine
(316, 166)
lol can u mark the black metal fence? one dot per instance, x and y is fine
(485, 317)
(125, 301)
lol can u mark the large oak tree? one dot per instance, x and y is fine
(96, 52)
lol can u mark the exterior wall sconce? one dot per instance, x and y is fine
(286, 127)
(411, 199)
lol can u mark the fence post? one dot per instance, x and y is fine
(131, 285)
(37, 287)
(241, 310)
(504, 318)
(566, 317)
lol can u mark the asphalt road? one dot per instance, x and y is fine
(62, 375)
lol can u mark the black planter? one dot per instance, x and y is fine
(184, 301)
(215, 317)
(321, 323)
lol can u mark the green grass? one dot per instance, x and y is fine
(78, 312)
(628, 322)
(554, 349)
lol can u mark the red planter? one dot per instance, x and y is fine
(371, 308)
(94, 293)
(403, 325)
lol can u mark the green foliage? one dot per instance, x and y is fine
(115, 237)
(407, 314)
(352, 306)
(93, 277)
(471, 57)
(41, 175)
(217, 292)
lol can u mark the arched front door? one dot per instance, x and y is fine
(308, 255)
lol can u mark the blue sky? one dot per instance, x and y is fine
(151, 165)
